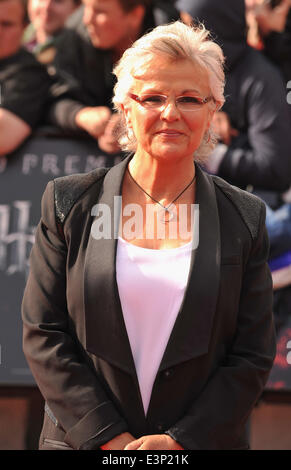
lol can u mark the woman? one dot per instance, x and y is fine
(138, 337)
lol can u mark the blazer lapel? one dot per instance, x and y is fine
(192, 330)
(103, 313)
(106, 335)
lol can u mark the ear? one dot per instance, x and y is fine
(212, 111)
(127, 115)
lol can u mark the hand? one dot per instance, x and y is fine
(118, 442)
(154, 442)
(272, 19)
(93, 120)
(108, 140)
(222, 127)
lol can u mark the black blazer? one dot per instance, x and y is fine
(221, 348)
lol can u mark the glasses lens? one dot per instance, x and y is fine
(183, 103)
(153, 101)
(189, 103)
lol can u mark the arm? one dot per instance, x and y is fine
(63, 374)
(260, 155)
(80, 92)
(70, 114)
(216, 419)
(13, 131)
(93, 120)
(24, 93)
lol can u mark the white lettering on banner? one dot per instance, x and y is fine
(93, 162)
(70, 161)
(50, 165)
(16, 237)
(29, 161)
(54, 165)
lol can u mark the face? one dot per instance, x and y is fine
(170, 133)
(108, 25)
(11, 27)
(50, 15)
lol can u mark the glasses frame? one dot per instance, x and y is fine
(138, 100)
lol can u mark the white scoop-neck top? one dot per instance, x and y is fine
(151, 285)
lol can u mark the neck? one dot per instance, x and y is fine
(163, 179)
(122, 46)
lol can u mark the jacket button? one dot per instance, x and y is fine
(168, 373)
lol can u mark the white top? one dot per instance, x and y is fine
(151, 286)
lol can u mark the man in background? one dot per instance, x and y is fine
(254, 125)
(85, 59)
(47, 20)
(24, 82)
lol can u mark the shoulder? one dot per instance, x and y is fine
(73, 41)
(61, 194)
(29, 72)
(25, 57)
(69, 189)
(249, 207)
(27, 61)
(20, 61)
(74, 48)
(255, 69)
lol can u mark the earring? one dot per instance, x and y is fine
(130, 134)
(207, 137)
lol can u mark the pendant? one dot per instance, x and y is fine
(166, 216)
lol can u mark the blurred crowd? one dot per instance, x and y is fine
(56, 59)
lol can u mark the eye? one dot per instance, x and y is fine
(152, 100)
(189, 100)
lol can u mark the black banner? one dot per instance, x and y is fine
(23, 178)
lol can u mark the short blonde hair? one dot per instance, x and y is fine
(175, 41)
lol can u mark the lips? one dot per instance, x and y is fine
(169, 132)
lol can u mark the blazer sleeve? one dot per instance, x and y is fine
(217, 418)
(67, 382)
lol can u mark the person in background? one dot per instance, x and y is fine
(255, 122)
(84, 63)
(274, 25)
(24, 82)
(47, 20)
(159, 336)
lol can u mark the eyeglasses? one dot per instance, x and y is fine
(158, 102)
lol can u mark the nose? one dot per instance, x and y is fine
(170, 111)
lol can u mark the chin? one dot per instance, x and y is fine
(95, 39)
(169, 156)
(170, 152)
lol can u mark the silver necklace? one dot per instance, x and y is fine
(167, 215)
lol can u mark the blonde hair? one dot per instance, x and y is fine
(175, 41)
